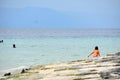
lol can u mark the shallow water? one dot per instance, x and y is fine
(67, 46)
(51, 50)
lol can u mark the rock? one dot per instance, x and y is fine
(110, 54)
(105, 75)
(117, 54)
(27, 69)
(7, 74)
(111, 74)
(23, 71)
(116, 71)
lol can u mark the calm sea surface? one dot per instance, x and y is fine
(42, 46)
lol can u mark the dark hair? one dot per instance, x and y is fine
(96, 47)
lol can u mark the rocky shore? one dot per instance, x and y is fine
(102, 68)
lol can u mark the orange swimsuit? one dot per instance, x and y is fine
(95, 53)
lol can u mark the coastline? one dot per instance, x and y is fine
(13, 71)
(106, 67)
(52, 50)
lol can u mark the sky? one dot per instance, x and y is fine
(60, 13)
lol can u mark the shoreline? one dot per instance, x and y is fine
(106, 67)
(13, 71)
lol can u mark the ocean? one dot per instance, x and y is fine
(53, 45)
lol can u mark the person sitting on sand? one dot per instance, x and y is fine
(95, 53)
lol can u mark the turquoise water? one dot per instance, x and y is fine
(33, 51)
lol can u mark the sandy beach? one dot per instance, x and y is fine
(59, 39)
(102, 68)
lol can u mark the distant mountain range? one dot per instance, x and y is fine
(45, 17)
(33, 17)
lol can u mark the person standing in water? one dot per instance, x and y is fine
(96, 52)
(14, 46)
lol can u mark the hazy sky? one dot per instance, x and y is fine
(66, 5)
(97, 13)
